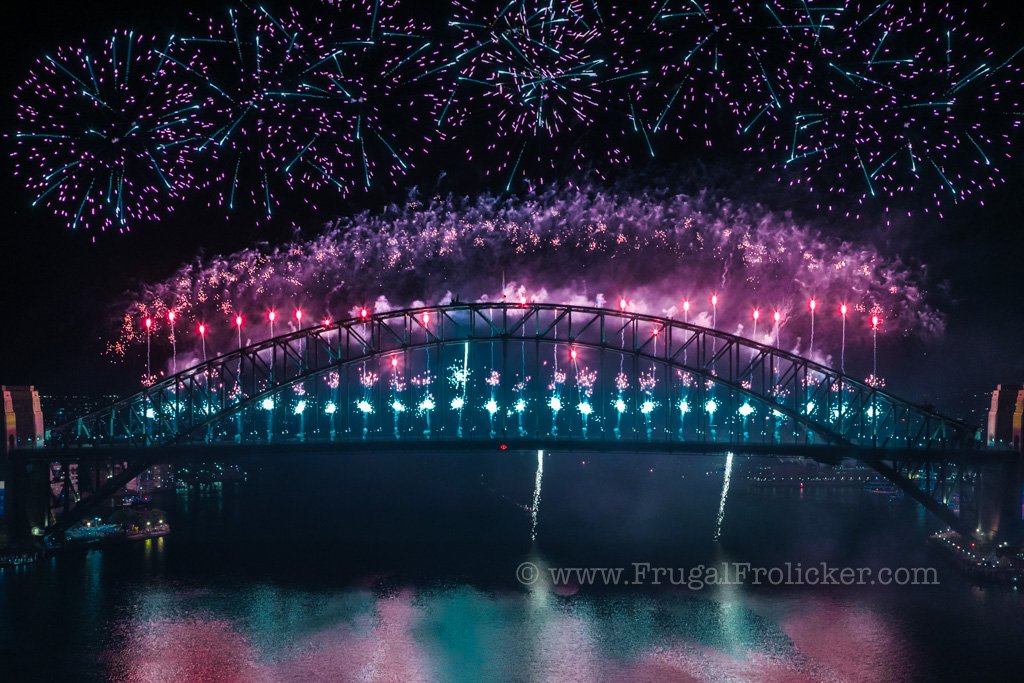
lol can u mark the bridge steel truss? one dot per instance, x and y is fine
(500, 371)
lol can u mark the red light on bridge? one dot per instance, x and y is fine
(363, 313)
(522, 301)
(503, 446)
(622, 303)
(426, 318)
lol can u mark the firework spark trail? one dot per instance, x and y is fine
(657, 246)
(102, 133)
(386, 73)
(699, 64)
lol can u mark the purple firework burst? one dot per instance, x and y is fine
(103, 133)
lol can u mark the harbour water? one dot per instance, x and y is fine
(410, 568)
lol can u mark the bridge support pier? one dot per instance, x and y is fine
(28, 500)
(999, 500)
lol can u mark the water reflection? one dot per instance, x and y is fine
(464, 633)
(329, 578)
(725, 494)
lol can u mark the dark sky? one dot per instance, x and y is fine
(57, 286)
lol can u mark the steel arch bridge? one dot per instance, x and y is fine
(544, 374)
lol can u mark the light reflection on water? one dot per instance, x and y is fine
(415, 582)
(463, 633)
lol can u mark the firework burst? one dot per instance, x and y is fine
(102, 133)
(529, 71)
(265, 97)
(885, 101)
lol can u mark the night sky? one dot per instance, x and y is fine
(58, 286)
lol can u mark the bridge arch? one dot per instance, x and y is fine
(499, 371)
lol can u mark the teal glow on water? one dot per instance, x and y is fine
(403, 569)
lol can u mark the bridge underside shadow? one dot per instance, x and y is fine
(974, 494)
